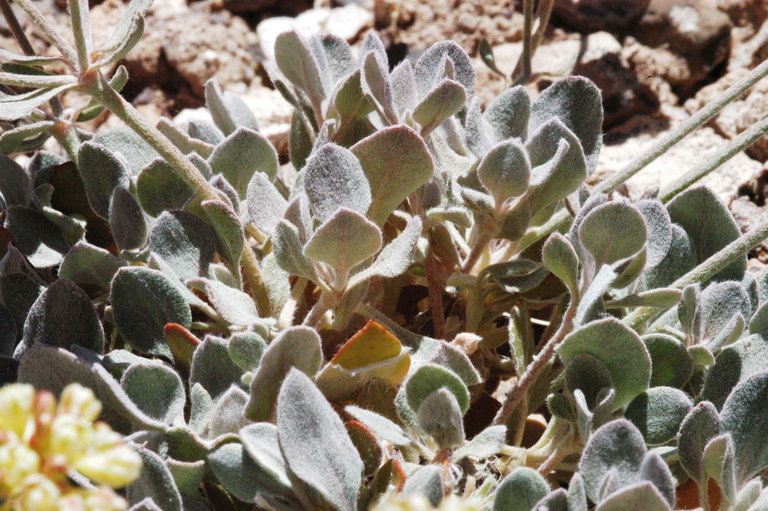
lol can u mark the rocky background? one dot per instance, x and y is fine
(656, 61)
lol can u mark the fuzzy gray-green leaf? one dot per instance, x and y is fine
(126, 220)
(61, 316)
(700, 426)
(396, 162)
(315, 443)
(658, 413)
(508, 114)
(577, 102)
(242, 154)
(429, 67)
(619, 349)
(159, 188)
(102, 171)
(143, 302)
(431, 377)
(156, 389)
(745, 417)
(443, 101)
(265, 204)
(440, 417)
(505, 170)
(185, 242)
(213, 368)
(334, 178)
(300, 67)
(520, 490)
(228, 111)
(708, 223)
(599, 232)
(617, 446)
(344, 240)
(296, 347)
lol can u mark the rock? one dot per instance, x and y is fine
(745, 12)
(633, 138)
(623, 95)
(749, 215)
(273, 114)
(184, 46)
(694, 30)
(347, 22)
(258, 6)
(422, 23)
(595, 15)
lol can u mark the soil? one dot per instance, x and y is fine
(656, 62)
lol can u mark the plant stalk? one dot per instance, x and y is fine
(435, 296)
(35, 81)
(706, 270)
(81, 27)
(49, 30)
(738, 144)
(533, 370)
(100, 89)
(523, 71)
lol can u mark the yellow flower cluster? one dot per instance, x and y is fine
(41, 441)
(420, 503)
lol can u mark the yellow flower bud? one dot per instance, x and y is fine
(70, 437)
(36, 493)
(109, 461)
(16, 410)
(17, 462)
(80, 402)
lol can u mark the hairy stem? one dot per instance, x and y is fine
(99, 89)
(738, 144)
(477, 250)
(543, 12)
(318, 310)
(49, 30)
(538, 363)
(35, 81)
(435, 296)
(81, 27)
(706, 270)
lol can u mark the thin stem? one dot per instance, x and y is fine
(536, 366)
(66, 135)
(16, 29)
(318, 310)
(26, 47)
(81, 27)
(100, 90)
(49, 30)
(435, 296)
(738, 144)
(522, 70)
(706, 270)
(477, 250)
(543, 12)
(35, 81)
(562, 219)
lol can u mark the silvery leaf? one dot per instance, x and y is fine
(520, 490)
(228, 111)
(334, 178)
(321, 455)
(241, 155)
(296, 347)
(185, 242)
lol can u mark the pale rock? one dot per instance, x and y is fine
(346, 22)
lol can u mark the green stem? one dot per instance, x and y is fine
(706, 270)
(738, 144)
(522, 71)
(81, 27)
(562, 218)
(49, 30)
(35, 81)
(100, 90)
(538, 363)
(317, 311)
(66, 135)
